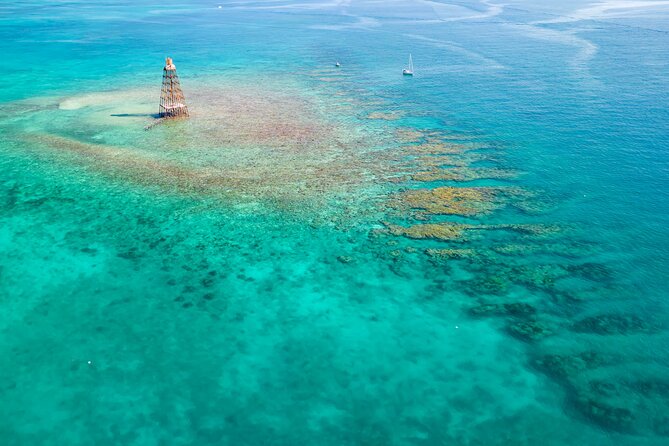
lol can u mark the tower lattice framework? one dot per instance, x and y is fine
(172, 101)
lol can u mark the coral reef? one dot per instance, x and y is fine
(436, 231)
(570, 365)
(449, 200)
(420, 162)
(529, 330)
(563, 249)
(535, 206)
(450, 231)
(466, 201)
(596, 272)
(443, 254)
(536, 276)
(497, 279)
(386, 116)
(464, 174)
(607, 324)
(247, 141)
(408, 135)
(611, 417)
(634, 405)
(634, 402)
(488, 284)
(441, 148)
(537, 230)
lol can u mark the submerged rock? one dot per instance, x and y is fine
(437, 231)
(651, 386)
(537, 230)
(596, 272)
(605, 324)
(626, 403)
(565, 366)
(496, 279)
(563, 249)
(345, 259)
(529, 330)
(538, 276)
(490, 284)
(535, 206)
(611, 417)
(444, 254)
(465, 201)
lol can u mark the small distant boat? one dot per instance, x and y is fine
(409, 70)
(337, 64)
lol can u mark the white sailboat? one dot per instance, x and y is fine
(409, 70)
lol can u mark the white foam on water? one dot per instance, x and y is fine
(452, 12)
(606, 10)
(360, 23)
(295, 6)
(451, 46)
(585, 49)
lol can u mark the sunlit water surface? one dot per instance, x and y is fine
(475, 255)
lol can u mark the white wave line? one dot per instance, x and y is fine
(490, 63)
(601, 10)
(439, 10)
(361, 23)
(586, 49)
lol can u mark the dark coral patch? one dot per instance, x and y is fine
(529, 330)
(607, 324)
(492, 284)
(592, 271)
(566, 366)
(611, 417)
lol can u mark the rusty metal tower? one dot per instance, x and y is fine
(172, 101)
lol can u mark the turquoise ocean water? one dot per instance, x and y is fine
(476, 255)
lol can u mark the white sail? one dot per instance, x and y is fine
(408, 71)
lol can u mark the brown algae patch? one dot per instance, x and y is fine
(448, 231)
(447, 200)
(466, 201)
(436, 231)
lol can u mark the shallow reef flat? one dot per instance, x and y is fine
(466, 201)
(268, 142)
